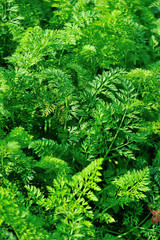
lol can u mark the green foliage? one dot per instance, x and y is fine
(21, 136)
(126, 190)
(79, 119)
(10, 19)
(53, 164)
(110, 120)
(47, 147)
(17, 222)
(147, 85)
(71, 218)
(132, 185)
(156, 168)
(15, 164)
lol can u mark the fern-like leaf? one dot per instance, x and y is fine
(48, 147)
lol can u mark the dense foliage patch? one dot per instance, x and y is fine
(79, 119)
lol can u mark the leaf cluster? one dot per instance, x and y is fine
(79, 119)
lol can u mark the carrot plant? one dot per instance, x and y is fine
(79, 119)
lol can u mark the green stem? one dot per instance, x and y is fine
(2, 159)
(16, 233)
(109, 149)
(124, 234)
(66, 113)
(125, 144)
(111, 232)
(49, 125)
(71, 233)
(45, 126)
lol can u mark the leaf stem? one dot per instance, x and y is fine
(2, 159)
(16, 233)
(115, 135)
(126, 233)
